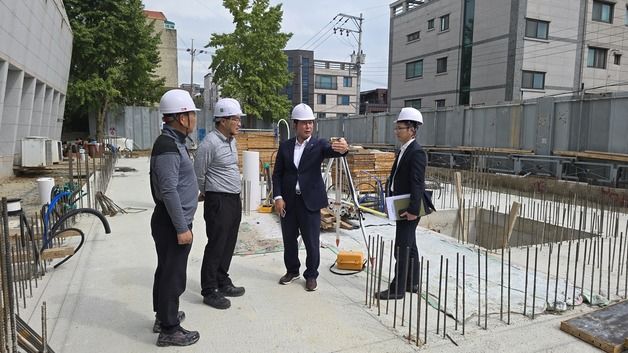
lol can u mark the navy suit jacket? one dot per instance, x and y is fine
(308, 174)
(410, 176)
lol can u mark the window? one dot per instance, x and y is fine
(343, 100)
(430, 24)
(326, 82)
(322, 99)
(440, 103)
(414, 69)
(444, 23)
(617, 59)
(347, 81)
(413, 103)
(536, 28)
(533, 79)
(320, 115)
(414, 36)
(441, 65)
(597, 58)
(602, 11)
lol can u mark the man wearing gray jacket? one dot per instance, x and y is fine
(174, 190)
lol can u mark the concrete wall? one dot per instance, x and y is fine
(35, 55)
(168, 66)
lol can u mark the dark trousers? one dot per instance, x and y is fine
(222, 213)
(170, 275)
(405, 241)
(299, 218)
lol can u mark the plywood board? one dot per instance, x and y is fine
(606, 328)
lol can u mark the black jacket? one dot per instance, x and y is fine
(410, 176)
(309, 175)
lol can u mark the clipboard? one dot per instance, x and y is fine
(396, 205)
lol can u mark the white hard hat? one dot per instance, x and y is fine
(176, 101)
(302, 111)
(227, 107)
(410, 114)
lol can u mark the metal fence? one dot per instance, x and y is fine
(593, 122)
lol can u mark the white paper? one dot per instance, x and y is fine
(393, 212)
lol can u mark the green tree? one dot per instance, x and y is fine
(114, 57)
(249, 64)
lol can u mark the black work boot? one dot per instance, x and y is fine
(157, 324)
(216, 300)
(231, 291)
(178, 337)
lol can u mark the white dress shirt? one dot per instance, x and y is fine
(298, 152)
(401, 151)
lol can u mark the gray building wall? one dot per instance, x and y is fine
(501, 51)
(35, 55)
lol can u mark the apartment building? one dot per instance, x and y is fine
(329, 87)
(452, 52)
(168, 66)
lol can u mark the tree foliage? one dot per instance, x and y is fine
(114, 57)
(249, 64)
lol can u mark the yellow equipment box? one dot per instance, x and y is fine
(350, 260)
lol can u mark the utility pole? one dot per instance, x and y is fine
(193, 52)
(356, 58)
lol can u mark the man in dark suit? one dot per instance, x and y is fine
(406, 177)
(299, 193)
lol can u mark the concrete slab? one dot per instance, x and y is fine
(100, 301)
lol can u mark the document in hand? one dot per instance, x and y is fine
(396, 205)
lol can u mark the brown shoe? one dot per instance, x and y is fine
(288, 278)
(310, 284)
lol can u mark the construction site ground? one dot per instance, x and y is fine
(100, 300)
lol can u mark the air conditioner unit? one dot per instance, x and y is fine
(33, 151)
(52, 152)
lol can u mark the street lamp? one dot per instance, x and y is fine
(193, 52)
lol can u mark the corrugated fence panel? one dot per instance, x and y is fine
(599, 124)
(618, 141)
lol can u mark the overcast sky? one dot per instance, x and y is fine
(311, 23)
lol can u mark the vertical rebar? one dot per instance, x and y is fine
(397, 259)
(368, 258)
(567, 271)
(485, 289)
(410, 304)
(557, 273)
(427, 295)
(457, 271)
(440, 283)
(445, 307)
(418, 302)
(379, 279)
(479, 290)
(389, 271)
(525, 289)
(403, 289)
(464, 272)
(536, 257)
(575, 275)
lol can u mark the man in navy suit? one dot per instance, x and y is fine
(407, 177)
(299, 193)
